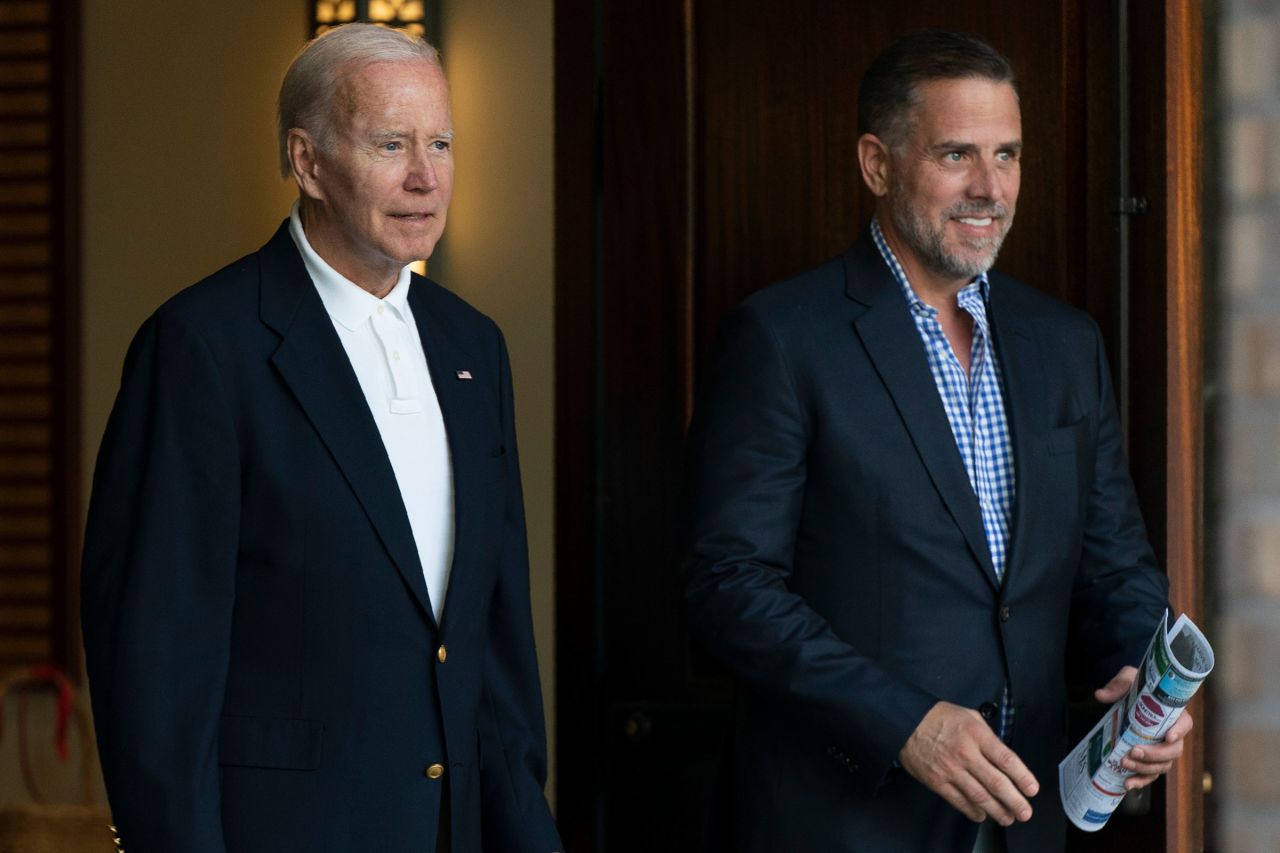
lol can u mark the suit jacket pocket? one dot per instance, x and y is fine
(1070, 438)
(273, 742)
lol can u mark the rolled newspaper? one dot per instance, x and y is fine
(1091, 780)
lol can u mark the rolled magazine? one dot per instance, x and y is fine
(1091, 780)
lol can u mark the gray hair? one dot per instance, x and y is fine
(306, 95)
(890, 90)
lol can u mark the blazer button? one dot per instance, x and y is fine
(1004, 614)
(442, 654)
(987, 710)
(435, 771)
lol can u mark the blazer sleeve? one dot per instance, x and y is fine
(1119, 593)
(512, 730)
(746, 482)
(158, 589)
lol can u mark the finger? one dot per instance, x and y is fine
(1004, 777)
(1117, 686)
(992, 793)
(1156, 752)
(998, 797)
(1160, 752)
(1152, 759)
(1109, 692)
(982, 799)
(1010, 765)
(1000, 800)
(1181, 728)
(1147, 768)
(1133, 783)
(953, 795)
(1146, 778)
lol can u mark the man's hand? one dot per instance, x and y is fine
(1149, 762)
(955, 754)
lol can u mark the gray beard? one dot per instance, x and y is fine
(928, 242)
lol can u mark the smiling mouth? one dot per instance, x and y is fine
(411, 217)
(980, 222)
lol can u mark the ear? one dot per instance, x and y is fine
(875, 162)
(304, 161)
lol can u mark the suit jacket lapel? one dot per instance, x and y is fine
(460, 405)
(891, 340)
(314, 365)
(1024, 382)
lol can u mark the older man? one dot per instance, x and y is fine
(305, 592)
(909, 502)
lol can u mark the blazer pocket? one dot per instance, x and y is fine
(273, 742)
(1070, 438)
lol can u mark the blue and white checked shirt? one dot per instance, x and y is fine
(974, 404)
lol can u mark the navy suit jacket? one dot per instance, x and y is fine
(836, 559)
(267, 675)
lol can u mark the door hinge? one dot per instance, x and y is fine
(1131, 205)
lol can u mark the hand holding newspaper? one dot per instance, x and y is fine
(1091, 779)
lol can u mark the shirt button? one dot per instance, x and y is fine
(435, 771)
(396, 355)
(442, 654)
(987, 710)
(1004, 614)
(381, 309)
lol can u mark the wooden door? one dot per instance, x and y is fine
(706, 148)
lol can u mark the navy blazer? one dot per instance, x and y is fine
(267, 675)
(836, 559)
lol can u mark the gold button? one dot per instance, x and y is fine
(435, 771)
(442, 654)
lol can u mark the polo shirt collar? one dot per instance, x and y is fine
(348, 303)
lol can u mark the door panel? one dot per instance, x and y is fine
(776, 141)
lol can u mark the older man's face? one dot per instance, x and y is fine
(385, 186)
(953, 186)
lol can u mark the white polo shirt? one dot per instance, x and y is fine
(385, 350)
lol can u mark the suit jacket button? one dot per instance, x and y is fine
(987, 710)
(435, 771)
(1004, 614)
(442, 654)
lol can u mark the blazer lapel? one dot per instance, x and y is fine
(314, 365)
(462, 407)
(891, 340)
(1024, 382)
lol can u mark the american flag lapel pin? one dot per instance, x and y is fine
(463, 374)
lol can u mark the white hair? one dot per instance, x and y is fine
(306, 94)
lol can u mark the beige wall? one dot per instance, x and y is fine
(179, 160)
(180, 179)
(497, 249)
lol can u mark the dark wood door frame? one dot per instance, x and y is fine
(1184, 376)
